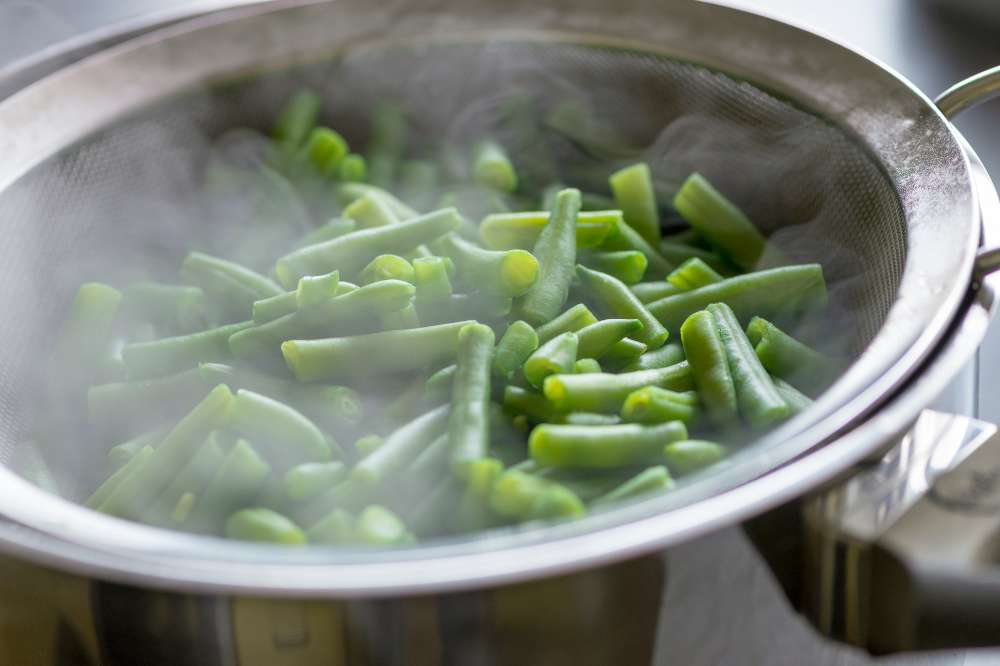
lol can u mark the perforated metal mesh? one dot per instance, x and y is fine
(124, 203)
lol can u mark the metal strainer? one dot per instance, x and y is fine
(839, 160)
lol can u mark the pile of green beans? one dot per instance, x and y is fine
(401, 372)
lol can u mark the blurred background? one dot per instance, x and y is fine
(734, 612)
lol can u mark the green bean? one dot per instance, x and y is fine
(468, 422)
(614, 297)
(308, 480)
(522, 401)
(515, 346)
(227, 299)
(678, 253)
(512, 272)
(633, 190)
(379, 526)
(370, 211)
(605, 393)
(759, 402)
(387, 267)
(437, 388)
(400, 448)
(433, 286)
(432, 462)
(525, 497)
(191, 479)
(588, 419)
(556, 254)
(624, 352)
(687, 456)
(86, 333)
(387, 142)
(668, 354)
(598, 338)
(174, 307)
(367, 443)
(572, 320)
(624, 237)
(602, 447)
(290, 437)
(125, 406)
(238, 480)
(649, 480)
(491, 167)
(312, 290)
(784, 356)
(625, 265)
(353, 168)
(407, 404)
(336, 527)
(554, 357)
(120, 454)
(647, 292)
(512, 231)
(137, 462)
(297, 117)
(349, 192)
(658, 405)
(334, 228)
(353, 312)
(133, 495)
(764, 293)
(183, 508)
(350, 253)
(706, 354)
(585, 365)
(372, 354)
(719, 221)
(796, 400)
(169, 355)
(401, 319)
(197, 265)
(260, 524)
(692, 274)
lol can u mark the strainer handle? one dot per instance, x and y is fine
(970, 92)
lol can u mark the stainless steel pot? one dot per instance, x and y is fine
(921, 208)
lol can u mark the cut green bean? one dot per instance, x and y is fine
(556, 254)
(353, 168)
(191, 479)
(649, 480)
(690, 455)
(334, 228)
(658, 405)
(401, 319)
(169, 355)
(379, 526)
(572, 320)
(468, 422)
(375, 353)
(433, 285)
(624, 237)
(597, 339)
(387, 267)
(513, 231)
(491, 167)
(367, 443)
(678, 253)
(297, 117)
(400, 448)
(587, 419)
(784, 356)
(197, 264)
(765, 293)
(517, 400)
(308, 480)
(606, 393)
(289, 438)
(615, 298)
(796, 400)
(183, 508)
(437, 388)
(585, 365)
(602, 447)
(624, 352)
(323, 150)
(515, 346)
(647, 292)
(626, 265)
(337, 527)
(634, 193)
(260, 524)
(557, 356)
(432, 462)
(668, 354)
(386, 144)
(370, 211)
(512, 272)
(138, 405)
(135, 493)
(238, 480)
(523, 496)
(719, 221)
(692, 274)
(352, 252)
(316, 289)
(172, 307)
(137, 462)
(759, 402)
(85, 338)
(120, 454)
(706, 354)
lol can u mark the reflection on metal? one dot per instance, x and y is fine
(880, 545)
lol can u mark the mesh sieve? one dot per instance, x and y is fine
(836, 159)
